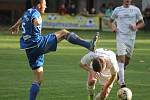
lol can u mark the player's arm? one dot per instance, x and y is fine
(15, 28)
(90, 70)
(86, 60)
(114, 69)
(85, 63)
(107, 86)
(111, 22)
(86, 67)
(36, 21)
(112, 25)
(135, 27)
(140, 24)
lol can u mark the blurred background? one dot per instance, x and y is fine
(11, 10)
(64, 79)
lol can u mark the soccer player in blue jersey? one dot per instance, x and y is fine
(36, 45)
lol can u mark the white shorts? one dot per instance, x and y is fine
(125, 45)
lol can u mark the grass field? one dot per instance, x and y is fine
(63, 78)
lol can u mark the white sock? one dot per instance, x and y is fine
(121, 73)
(90, 89)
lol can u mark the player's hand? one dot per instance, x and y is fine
(14, 29)
(114, 29)
(103, 95)
(133, 27)
(95, 74)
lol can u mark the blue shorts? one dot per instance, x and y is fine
(36, 55)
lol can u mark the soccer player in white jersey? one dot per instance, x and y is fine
(125, 21)
(102, 66)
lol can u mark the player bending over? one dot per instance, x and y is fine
(101, 65)
(36, 45)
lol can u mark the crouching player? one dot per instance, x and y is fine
(101, 66)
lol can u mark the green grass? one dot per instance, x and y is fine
(63, 78)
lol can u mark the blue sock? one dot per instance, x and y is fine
(75, 39)
(34, 91)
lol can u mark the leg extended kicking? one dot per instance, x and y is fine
(75, 39)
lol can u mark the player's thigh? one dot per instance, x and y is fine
(130, 47)
(38, 74)
(121, 47)
(48, 43)
(35, 58)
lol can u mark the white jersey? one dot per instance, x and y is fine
(111, 69)
(124, 17)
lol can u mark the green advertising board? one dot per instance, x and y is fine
(56, 21)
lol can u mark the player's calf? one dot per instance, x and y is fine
(75, 39)
(90, 90)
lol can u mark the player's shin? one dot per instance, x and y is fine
(75, 39)
(121, 73)
(90, 90)
(34, 90)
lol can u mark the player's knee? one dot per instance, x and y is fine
(39, 75)
(65, 32)
(126, 63)
(39, 81)
(91, 82)
(127, 60)
(62, 34)
(121, 59)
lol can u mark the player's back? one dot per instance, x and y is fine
(105, 53)
(31, 34)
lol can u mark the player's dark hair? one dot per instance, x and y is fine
(96, 65)
(36, 2)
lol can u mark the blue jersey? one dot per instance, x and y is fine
(31, 34)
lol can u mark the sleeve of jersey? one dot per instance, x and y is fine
(114, 67)
(88, 58)
(35, 15)
(139, 15)
(114, 14)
